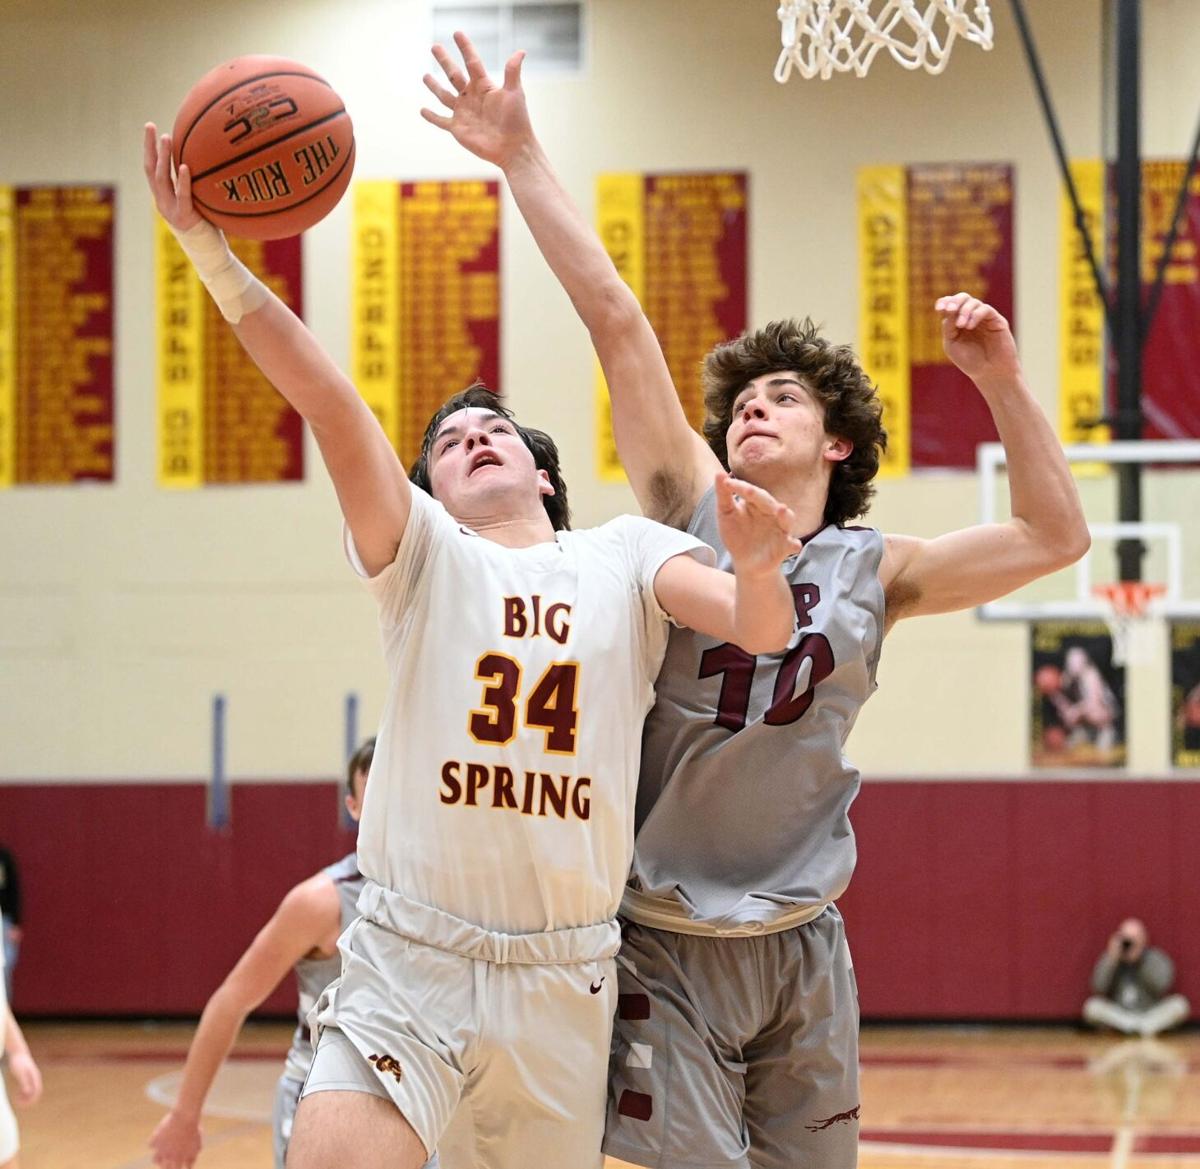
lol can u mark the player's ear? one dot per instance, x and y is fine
(837, 450)
(545, 484)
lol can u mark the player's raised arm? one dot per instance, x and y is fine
(753, 608)
(305, 919)
(370, 482)
(669, 465)
(1047, 530)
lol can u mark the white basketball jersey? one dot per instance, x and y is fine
(502, 787)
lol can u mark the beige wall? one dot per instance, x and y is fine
(123, 609)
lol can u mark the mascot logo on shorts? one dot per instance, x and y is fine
(386, 1063)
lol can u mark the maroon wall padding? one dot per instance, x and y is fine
(975, 900)
(132, 906)
(993, 900)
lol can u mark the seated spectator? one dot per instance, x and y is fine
(1131, 981)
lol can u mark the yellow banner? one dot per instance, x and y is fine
(620, 219)
(1081, 314)
(883, 304)
(8, 337)
(180, 308)
(375, 328)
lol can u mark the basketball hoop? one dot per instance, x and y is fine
(824, 37)
(1126, 604)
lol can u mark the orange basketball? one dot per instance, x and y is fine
(269, 145)
(1048, 679)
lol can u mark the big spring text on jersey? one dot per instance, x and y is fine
(550, 706)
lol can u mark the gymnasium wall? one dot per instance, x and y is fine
(124, 608)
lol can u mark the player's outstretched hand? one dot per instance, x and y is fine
(977, 338)
(490, 120)
(26, 1077)
(172, 194)
(175, 1143)
(754, 525)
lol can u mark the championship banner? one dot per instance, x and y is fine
(1185, 694)
(679, 242)
(1082, 340)
(1170, 374)
(219, 419)
(933, 230)
(1077, 716)
(425, 299)
(960, 240)
(883, 305)
(56, 334)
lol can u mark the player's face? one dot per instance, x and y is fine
(777, 422)
(479, 463)
(354, 802)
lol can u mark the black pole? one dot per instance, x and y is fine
(1128, 330)
(1056, 140)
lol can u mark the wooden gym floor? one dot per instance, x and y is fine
(933, 1098)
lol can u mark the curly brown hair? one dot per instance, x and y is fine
(833, 375)
(540, 444)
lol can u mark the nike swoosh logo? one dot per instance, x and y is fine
(596, 986)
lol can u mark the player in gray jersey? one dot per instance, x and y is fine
(737, 1025)
(302, 935)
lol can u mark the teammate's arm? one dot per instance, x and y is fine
(753, 608)
(371, 486)
(21, 1066)
(308, 917)
(669, 465)
(1047, 530)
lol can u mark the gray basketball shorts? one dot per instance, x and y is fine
(493, 1046)
(734, 1051)
(287, 1096)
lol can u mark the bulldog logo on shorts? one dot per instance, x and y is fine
(386, 1063)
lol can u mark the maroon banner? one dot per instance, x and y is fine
(251, 434)
(449, 304)
(695, 271)
(63, 288)
(1170, 371)
(960, 240)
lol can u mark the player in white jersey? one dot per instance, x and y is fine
(301, 936)
(737, 1028)
(478, 986)
(24, 1073)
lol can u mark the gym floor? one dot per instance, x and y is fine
(933, 1098)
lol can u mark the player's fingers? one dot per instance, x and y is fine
(512, 70)
(439, 91)
(965, 311)
(471, 59)
(439, 120)
(454, 74)
(755, 498)
(149, 149)
(949, 304)
(162, 162)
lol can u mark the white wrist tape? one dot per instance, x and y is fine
(236, 290)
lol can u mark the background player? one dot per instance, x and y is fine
(737, 1030)
(301, 935)
(25, 1076)
(497, 830)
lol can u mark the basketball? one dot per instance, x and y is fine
(1048, 679)
(269, 145)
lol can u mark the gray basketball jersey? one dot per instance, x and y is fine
(313, 975)
(744, 793)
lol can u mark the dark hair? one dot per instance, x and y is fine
(832, 373)
(359, 761)
(540, 444)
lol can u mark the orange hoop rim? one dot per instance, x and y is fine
(1129, 598)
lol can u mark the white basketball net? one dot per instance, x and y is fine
(824, 37)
